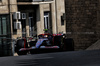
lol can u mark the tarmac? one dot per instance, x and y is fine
(73, 58)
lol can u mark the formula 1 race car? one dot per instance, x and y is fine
(45, 42)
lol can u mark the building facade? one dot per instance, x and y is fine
(33, 16)
(28, 18)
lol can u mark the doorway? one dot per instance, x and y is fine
(31, 28)
(23, 22)
(5, 35)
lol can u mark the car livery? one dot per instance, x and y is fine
(44, 41)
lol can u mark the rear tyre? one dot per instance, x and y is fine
(68, 44)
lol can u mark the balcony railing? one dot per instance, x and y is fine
(33, 0)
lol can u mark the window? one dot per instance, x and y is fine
(62, 21)
(46, 21)
(23, 15)
(4, 25)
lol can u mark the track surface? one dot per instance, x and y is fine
(77, 58)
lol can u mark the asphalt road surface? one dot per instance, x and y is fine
(77, 58)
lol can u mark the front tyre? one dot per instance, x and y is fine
(22, 43)
(22, 52)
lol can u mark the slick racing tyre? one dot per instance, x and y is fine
(69, 44)
(22, 43)
(22, 52)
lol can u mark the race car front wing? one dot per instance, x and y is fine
(41, 47)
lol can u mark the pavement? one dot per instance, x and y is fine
(74, 58)
(94, 46)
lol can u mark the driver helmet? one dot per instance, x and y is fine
(45, 36)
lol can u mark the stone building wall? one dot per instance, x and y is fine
(4, 7)
(83, 22)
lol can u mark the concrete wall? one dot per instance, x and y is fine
(57, 9)
(53, 15)
(83, 22)
(60, 10)
(4, 7)
(40, 19)
(12, 9)
(45, 8)
(13, 5)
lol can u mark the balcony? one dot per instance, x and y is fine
(33, 0)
